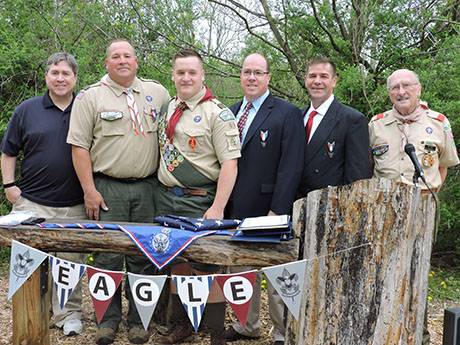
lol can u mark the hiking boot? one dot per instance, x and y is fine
(179, 333)
(105, 336)
(137, 335)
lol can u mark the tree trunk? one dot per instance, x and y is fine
(368, 247)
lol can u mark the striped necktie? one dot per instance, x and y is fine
(243, 119)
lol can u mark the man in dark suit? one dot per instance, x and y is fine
(337, 150)
(269, 172)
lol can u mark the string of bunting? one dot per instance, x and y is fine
(288, 280)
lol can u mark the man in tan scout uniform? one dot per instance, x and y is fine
(113, 132)
(411, 121)
(199, 147)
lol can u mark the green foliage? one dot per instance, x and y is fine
(444, 285)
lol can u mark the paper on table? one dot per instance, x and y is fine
(15, 218)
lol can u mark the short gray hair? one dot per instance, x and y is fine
(61, 56)
(402, 70)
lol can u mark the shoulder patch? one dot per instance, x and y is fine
(149, 80)
(218, 103)
(378, 117)
(441, 117)
(226, 115)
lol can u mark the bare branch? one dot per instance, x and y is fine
(342, 28)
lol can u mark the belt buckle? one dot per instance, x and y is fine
(178, 191)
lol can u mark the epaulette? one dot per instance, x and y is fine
(437, 116)
(86, 88)
(150, 80)
(218, 103)
(378, 117)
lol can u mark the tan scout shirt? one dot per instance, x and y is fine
(206, 135)
(431, 137)
(101, 123)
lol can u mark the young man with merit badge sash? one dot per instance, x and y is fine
(411, 121)
(113, 132)
(337, 139)
(199, 147)
(269, 172)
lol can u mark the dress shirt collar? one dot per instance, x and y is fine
(257, 103)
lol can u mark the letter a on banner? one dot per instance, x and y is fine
(102, 286)
(66, 275)
(24, 261)
(146, 291)
(238, 289)
(289, 281)
(193, 291)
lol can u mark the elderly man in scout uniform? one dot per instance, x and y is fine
(411, 121)
(48, 186)
(199, 147)
(113, 132)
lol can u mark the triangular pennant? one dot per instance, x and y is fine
(66, 275)
(160, 244)
(146, 291)
(288, 280)
(238, 289)
(102, 286)
(24, 261)
(193, 291)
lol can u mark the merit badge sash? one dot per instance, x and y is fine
(177, 164)
(158, 243)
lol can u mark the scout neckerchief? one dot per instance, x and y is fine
(134, 113)
(175, 117)
(406, 120)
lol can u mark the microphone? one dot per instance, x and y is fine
(410, 150)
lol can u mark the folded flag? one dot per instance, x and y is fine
(196, 224)
(160, 244)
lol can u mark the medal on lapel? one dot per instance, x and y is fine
(330, 148)
(263, 138)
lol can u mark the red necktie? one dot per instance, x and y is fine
(310, 123)
(175, 117)
(243, 119)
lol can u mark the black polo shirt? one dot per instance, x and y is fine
(39, 129)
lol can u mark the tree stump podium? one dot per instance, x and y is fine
(368, 247)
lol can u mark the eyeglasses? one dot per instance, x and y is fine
(248, 72)
(404, 86)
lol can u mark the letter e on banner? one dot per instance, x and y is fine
(238, 290)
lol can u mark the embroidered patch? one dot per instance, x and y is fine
(197, 118)
(429, 130)
(226, 115)
(148, 98)
(379, 150)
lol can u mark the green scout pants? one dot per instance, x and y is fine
(127, 202)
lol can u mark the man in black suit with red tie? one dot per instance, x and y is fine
(337, 149)
(269, 172)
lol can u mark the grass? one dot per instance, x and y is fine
(444, 284)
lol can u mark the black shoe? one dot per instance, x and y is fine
(278, 342)
(232, 335)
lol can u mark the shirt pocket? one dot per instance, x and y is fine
(193, 140)
(113, 122)
(151, 119)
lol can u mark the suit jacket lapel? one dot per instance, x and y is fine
(324, 129)
(264, 110)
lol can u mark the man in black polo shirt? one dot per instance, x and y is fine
(48, 186)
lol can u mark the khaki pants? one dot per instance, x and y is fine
(72, 309)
